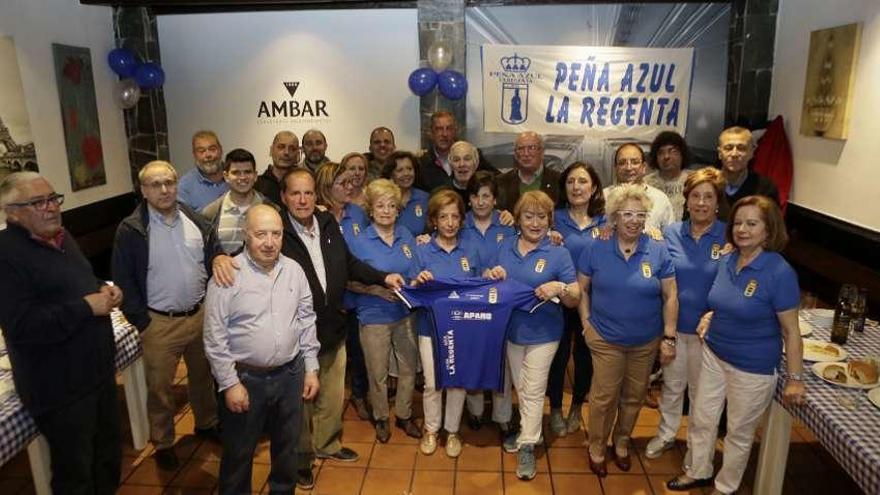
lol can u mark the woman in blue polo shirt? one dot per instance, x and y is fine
(753, 307)
(581, 211)
(696, 246)
(530, 258)
(334, 187)
(385, 323)
(446, 255)
(484, 222)
(629, 301)
(401, 169)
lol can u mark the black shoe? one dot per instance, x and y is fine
(473, 421)
(360, 406)
(383, 433)
(675, 484)
(166, 459)
(211, 434)
(409, 427)
(344, 454)
(305, 479)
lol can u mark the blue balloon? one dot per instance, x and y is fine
(453, 84)
(149, 75)
(422, 81)
(122, 61)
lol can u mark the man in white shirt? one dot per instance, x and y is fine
(630, 168)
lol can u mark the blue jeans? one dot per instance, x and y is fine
(276, 406)
(357, 367)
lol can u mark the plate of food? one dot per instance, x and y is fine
(821, 351)
(874, 396)
(856, 373)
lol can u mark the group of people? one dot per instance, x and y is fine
(274, 287)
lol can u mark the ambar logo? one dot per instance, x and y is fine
(292, 110)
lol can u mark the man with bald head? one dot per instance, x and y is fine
(528, 172)
(285, 153)
(163, 255)
(55, 319)
(260, 340)
(314, 145)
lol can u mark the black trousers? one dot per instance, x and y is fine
(84, 443)
(276, 403)
(583, 363)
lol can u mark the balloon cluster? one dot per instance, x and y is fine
(452, 84)
(136, 76)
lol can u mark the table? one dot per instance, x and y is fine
(17, 428)
(850, 435)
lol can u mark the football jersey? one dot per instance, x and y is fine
(470, 321)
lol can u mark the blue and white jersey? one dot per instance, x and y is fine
(470, 320)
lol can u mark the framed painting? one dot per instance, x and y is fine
(17, 152)
(79, 112)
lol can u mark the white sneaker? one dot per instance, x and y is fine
(429, 443)
(657, 446)
(453, 445)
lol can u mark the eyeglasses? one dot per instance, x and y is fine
(158, 185)
(628, 215)
(528, 147)
(632, 162)
(42, 203)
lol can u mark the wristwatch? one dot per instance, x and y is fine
(797, 377)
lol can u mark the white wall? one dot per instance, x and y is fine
(838, 178)
(34, 25)
(219, 68)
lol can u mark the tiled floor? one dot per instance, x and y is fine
(397, 468)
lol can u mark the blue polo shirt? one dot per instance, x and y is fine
(576, 238)
(197, 191)
(488, 242)
(414, 212)
(626, 302)
(745, 330)
(543, 264)
(696, 263)
(353, 222)
(400, 257)
(462, 262)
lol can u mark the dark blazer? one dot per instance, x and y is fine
(430, 176)
(131, 257)
(508, 187)
(340, 265)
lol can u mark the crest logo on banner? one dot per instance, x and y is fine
(515, 89)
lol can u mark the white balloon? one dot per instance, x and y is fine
(127, 93)
(440, 55)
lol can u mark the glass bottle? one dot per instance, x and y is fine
(842, 316)
(859, 308)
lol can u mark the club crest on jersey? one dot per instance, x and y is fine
(465, 266)
(406, 251)
(594, 232)
(418, 210)
(539, 266)
(493, 295)
(499, 237)
(716, 251)
(356, 228)
(646, 269)
(751, 288)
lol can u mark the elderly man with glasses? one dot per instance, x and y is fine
(630, 168)
(55, 319)
(528, 172)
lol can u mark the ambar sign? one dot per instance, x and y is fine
(292, 110)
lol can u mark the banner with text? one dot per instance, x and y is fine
(609, 92)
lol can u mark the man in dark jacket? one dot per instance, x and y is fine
(528, 172)
(313, 239)
(162, 259)
(735, 149)
(434, 167)
(54, 314)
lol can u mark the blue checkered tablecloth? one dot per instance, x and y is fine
(850, 434)
(17, 428)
